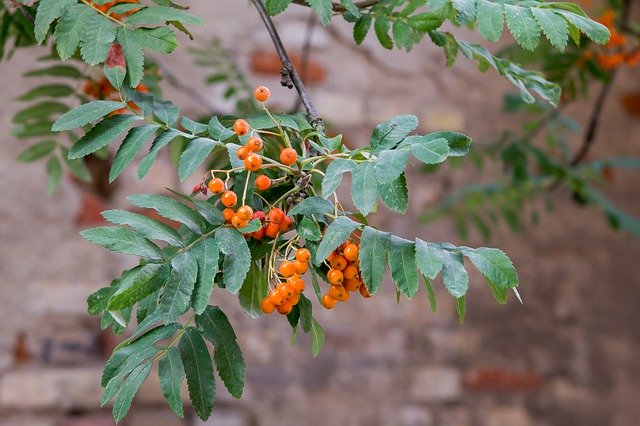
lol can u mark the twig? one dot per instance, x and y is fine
(23, 10)
(290, 77)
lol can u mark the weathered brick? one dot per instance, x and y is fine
(436, 384)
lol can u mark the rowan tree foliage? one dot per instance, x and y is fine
(266, 218)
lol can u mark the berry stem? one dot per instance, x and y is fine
(246, 185)
(286, 194)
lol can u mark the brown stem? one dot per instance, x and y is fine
(338, 8)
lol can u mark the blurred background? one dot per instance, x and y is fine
(567, 356)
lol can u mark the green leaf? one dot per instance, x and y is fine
(77, 167)
(490, 19)
(594, 30)
(218, 131)
(390, 133)
(161, 141)
(361, 28)
(431, 295)
(199, 372)
(177, 293)
(55, 71)
(207, 253)
(237, 258)
(159, 40)
(363, 189)
(132, 143)
(275, 7)
(309, 230)
(402, 262)
(194, 155)
(381, 28)
(129, 389)
(39, 111)
(390, 165)
(122, 240)
(48, 91)
(70, 29)
(459, 144)
(306, 311)
(97, 35)
(374, 246)
(54, 174)
(494, 264)
(132, 50)
(101, 135)
(466, 10)
(428, 258)
(333, 175)
(166, 111)
(395, 195)
(37, 151)
(312, 206)
(251, 227)
(158, 15)
(335, 234)
(227, 355)
(254, 289)
(523, 26)
(144, 226)
(115, 74)
(137, 285)
(171, 372)
(461, 308)
(48, 11)
(324, 9)
(193, 126)
(553, 26)
(424, 22)
(317, 337)
(171, 209)
(454, 275)
(428, 150)
(402, 35)
(85, 114)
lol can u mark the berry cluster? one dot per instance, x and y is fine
(617, 52)
(344, 275)
(287, 293)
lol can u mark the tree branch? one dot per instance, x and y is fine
(290, 77)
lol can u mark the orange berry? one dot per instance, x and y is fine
(303, 255)
(338, 262)
(286, 224)
(240, 127)
(364, 292)
(245, 213)
(328, 301)
(331, 255)
(267, 305)
(339, 293)
(298, 285)
(335, 277)
(301, 267)
(228, 214)
(272, 230)
(287, 291)
(259, 234)
(351, 284)
(288, 156)
(285, 308)
(263, 182)
(350, 272)
(276, 297)
(294, 299)
(253, 162)
(287, 269)
(276, 215)
(238, 222)
(229, 198)
(254, 144)
(216, 185)
(243, 152)
(261, 94)
(350, 252)
(342, 246)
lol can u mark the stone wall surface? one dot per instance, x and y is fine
(568, 356)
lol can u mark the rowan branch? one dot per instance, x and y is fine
(290, 77)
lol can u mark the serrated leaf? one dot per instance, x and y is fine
(459, 143)
(227, 355)
(363, 191)
(428, 150)
(218, 131)
(275, 7)
(454, 275)
(312, 206)
(466, 10)
(395, 194)
(177, 292)
(207, 253)
(390, 133)
(553, 26)
(132, 143)
(161, 141)
(523, 26)
(381, 28)
(137, 285)
(133, 55)
(254, 289)
(390, 165)
(129, 388)
(55, 71)
(69, 29)
(49, 91)
(144, 226)
(171, 372)
(39, 111)
(159, 40)
(424, 22)
(194, 155)
(54, 174)
(402, 35)
(374, 246)
(37, 151)
(166, 111)
(171, 209)
(336, 233)
(158, 15)
(199, 372)
(494, 264)
(48, 11)
(309, 230)
(594, 30)
(490, 18)
(97, 35)
(324, 9)
(461, 308)
(402, 262)
(122, 240)
(333, 175)
(431, 294)
(77, 167)
(101, 135)
(361, 28)
(428, 258)
(85, 114)
(317, 337)
(237, 258)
